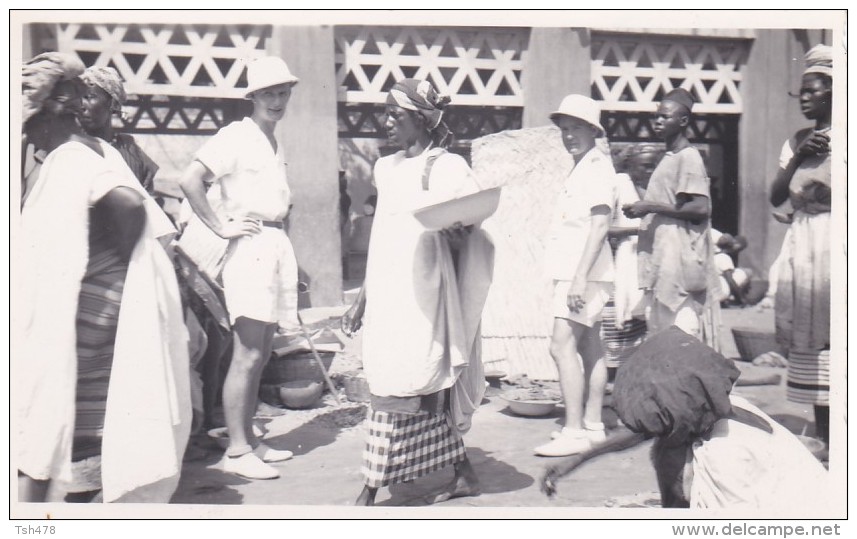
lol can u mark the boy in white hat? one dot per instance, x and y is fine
(674, 251)
(580, 262)
(260, 276)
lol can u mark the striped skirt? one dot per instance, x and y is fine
(97, 321)
(808, 380)
(402, 447)
(619, 343)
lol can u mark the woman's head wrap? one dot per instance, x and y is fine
(674, 387)
(819, 59)
(41, 74)
(643, 148)
(419, 96)
(627, 155)
(107, 79)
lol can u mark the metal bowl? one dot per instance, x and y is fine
(530, 408)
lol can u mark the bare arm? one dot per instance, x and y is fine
(352, 320)
(193, 185)
(127, 217)
(618, 442)
(620, 232)
(600, 224)
(817, 142)
(694, 208)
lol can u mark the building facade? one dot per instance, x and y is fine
(186, 81)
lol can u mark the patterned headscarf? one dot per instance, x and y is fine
(819, 59)
(421, 97)
(107, 79)
(41, 74)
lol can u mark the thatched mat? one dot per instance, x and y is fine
(531, 164)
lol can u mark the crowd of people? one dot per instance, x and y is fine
(114, 335)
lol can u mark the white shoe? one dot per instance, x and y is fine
(269, 454)
(569, 442)
(596, 436)
(249, 466)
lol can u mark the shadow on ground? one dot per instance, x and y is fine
(320, 431)
(495, 476)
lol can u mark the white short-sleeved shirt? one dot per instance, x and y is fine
(591, 183)
(251, 176)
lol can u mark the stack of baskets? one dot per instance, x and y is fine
(752, 343)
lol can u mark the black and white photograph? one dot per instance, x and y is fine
(381, 264)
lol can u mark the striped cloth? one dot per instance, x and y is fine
(619, 343)
(97, 321)
(808, 380)
(403, 447)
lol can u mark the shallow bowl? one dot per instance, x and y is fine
(530, 408)
(467, 210)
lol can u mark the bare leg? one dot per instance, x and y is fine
(465, 483)
(563, 350)
(367, 496)
(32, 490)
(256, 380)
(595, 372)
(252, 341)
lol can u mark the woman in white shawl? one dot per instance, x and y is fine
(423, 299)
(103, 395)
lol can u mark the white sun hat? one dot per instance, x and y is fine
(266, 72)
(582, 107)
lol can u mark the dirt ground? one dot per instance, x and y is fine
(323, 479)
(328, 439)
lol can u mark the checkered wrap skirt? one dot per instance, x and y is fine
(402, 447)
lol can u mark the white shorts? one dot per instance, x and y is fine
(260, 279)
(595, 297)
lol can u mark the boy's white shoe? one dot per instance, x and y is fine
(249, 466)
(569, 442)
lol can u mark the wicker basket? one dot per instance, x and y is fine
(752, 343)
(295, 367)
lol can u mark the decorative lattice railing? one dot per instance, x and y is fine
(183, 59)
(632, 73)
(476, 67)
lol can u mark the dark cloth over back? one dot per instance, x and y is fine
(674, 387)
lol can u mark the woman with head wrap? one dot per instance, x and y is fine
(802, 301)
(103, 98)
(712, 449)
(423, 299)
(104, 399)
(624, 320)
